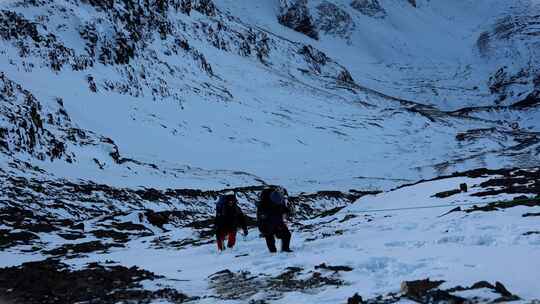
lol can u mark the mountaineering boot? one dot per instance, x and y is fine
(285, 235)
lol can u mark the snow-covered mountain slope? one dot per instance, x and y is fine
(121, 122)
(449, 54)
(432, 229)
(202, 94)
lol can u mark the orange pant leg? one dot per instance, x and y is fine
(231, 239)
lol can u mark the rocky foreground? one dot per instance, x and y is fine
(447, 240)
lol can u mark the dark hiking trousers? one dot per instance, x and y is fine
(281, 232)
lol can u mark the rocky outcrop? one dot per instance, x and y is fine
(427, 291)
(371, 8)
(230, 285)
(53, 282)
(295, 15)
(519, 78)
(333, 20)
(412, 2)
(28, 38)
(205, 7)
(44, 130)
(26, 126)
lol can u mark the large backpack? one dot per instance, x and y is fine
(220, 205)
(262, 205)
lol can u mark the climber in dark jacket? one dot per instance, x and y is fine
(229, 217)
(271, 210)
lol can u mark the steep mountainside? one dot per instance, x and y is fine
(195, 94)
(122, 122)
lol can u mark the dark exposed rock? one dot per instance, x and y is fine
(334, 20)
(333, 268)
(500, 288)
(16, 28)
(91, 83)
(71, 236)
(28, 129)
(117, 236)
(534, 202)
(184, 6)
(242, 285)
(288, 281)
(51, 282)
(229, 285)
(474, 134)
(79, 248)
(347, 217)
(526, 181)
(426, 291)
(457, 209)
(345, 77)
(159, 219)
(165, 242)
(151, 194)
(417, 289)
(370, 8)
(9, 239)
(532, 100)
(441, 296)
(446, 194)
(128, 226)
(79, 226)
(295, 15)
(39, 227)
(521, 181)
(313, 55)
(482, 284)
(205, 7)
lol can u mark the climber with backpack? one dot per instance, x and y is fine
(229, 217)
(271, 211)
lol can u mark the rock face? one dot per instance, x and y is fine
(334, 20)
(141, 48)
(25, 126)
(513, 40)
(295, 15)
(412, 2)
(370, 8)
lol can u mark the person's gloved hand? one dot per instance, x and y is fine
(245, 232)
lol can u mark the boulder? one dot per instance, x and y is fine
(295, 14)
